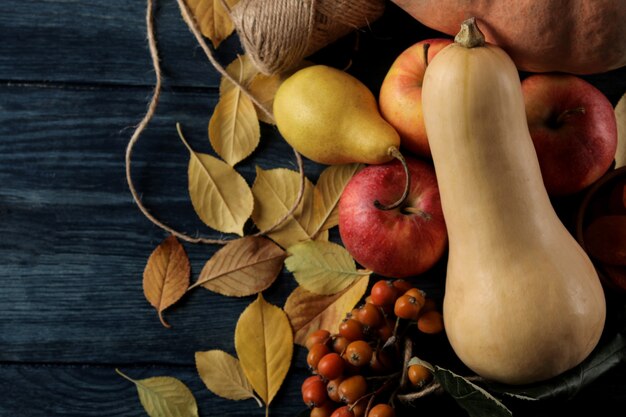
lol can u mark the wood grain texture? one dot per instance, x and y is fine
(90, 41)
(85, 390)
(74, 245)
(75, 78)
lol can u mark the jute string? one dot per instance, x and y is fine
(278, 34)
(154, 55)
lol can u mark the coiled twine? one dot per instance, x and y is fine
(278, 34)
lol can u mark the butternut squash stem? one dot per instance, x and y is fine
(393, 151)
(470, 35)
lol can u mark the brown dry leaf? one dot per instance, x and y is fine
(234, 129)
(222, 374)
(166, 275)
(275, 192)
(219, 195)
(328, 189)
(264, 344)
(620, 116)
(213, 20)
(309, 312)
(322, 267)
(243, 267)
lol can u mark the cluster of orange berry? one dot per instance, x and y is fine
(348, 365)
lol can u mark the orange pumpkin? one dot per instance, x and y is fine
(575, 36)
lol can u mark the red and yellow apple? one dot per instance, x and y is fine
(400, 97)
(400, 242)
(573, 127)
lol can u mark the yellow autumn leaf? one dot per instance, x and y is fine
(620, 116)
(263, 88)
(222, 374)
(166, 275)
(275, 192)
(213, 20)
(234, 129)
(243, 267)
(264, 344)
(241, 69)
(308, 311)
(328, 190)
(219, 195)
(164, 396)
(322, 267)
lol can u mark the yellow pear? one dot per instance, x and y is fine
(332, 118)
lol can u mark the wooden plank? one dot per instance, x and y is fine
(95, 42)
(85, 391)
(91, 41)
(74, 244)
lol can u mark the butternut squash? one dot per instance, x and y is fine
(523, 302)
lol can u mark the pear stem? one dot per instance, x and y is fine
(470, 36)
(393, 151)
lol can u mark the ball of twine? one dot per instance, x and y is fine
(278, 34)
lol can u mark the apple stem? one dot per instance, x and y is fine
(567, 113)
(470, 35)
(426, 47)
(393, 151)
(421, 213)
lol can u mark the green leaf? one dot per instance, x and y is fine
(164, 396)
(322, 267)
(474, 399)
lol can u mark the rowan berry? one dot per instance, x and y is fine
(326, 410)
(370, 315)
(314, 393)
(318, 336)
(419, 375)
(351, 329)
(383, 293)
(381, 362)
(330, 366)
(358, 353)
(339, 344)
(407, 307)
(317, 352)
(332, 389)
(343, 412)
(352, 388)
(419, 295)
(430, 322)
(402, 285)
(382, 410)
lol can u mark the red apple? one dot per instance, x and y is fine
(400, 98)
(573, 127)
(400, 242)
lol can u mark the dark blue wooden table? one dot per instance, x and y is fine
(75, 78)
